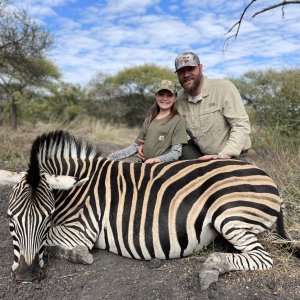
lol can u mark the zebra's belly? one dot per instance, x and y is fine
(125, 246)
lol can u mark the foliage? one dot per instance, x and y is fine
(23, 64)
(60, 102)
(280, 157)
(100, 94)
(275, 99)
(126, 97)
(142, 79)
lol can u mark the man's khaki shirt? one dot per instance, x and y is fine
(218, 122)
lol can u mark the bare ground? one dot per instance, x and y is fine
(115, 277)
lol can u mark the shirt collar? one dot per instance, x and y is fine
(195, 99)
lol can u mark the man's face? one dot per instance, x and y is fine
(190, 78)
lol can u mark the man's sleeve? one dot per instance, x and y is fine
(236, 115)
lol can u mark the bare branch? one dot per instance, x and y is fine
(238, 24)
(283, 3)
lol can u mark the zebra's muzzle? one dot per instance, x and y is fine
(28, 273)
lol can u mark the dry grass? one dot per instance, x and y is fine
(16, 145)
(281, 160)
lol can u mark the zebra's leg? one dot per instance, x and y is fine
(253, 257)
(257, 259)
(66, 243)
(79, 254)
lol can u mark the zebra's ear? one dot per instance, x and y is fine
(10, 178)
(64, 182)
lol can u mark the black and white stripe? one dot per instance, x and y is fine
(164, 211)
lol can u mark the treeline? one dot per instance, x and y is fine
(31, 89)
(272, 99)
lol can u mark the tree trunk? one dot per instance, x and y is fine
(13, 116)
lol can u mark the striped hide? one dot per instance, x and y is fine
(165, 210)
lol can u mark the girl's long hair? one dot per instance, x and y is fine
(155, 109)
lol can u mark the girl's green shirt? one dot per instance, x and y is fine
(161, 134)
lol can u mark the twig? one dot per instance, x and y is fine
(286, 242)
(283, 3)
(238, 24)
(69, 275)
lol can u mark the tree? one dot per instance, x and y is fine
(127, 96)
(63, 102)
(137, 84)
(275, 97)
(141, 79)
(236, 26)
(23, 63)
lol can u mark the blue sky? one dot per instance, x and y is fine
(108, 36)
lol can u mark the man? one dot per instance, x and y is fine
(216, 119)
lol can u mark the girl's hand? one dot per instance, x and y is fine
(152, 160)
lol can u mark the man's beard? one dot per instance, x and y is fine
(193, 88)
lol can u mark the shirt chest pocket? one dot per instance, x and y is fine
(162, 135)
(210, 121)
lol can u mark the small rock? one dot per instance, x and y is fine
(207, 277)
(155, 263)
(271, 284)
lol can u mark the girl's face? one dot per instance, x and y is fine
(165, 99)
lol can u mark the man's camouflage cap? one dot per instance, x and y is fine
(166, 85)
(186, 59)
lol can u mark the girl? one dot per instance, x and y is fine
(163, 131)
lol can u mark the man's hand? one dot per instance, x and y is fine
(152, 160)
(140, 150)
(213, 156)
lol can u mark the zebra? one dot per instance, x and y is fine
(72, 199)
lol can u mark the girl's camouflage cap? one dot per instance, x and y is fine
(186, 59)
(166, 85)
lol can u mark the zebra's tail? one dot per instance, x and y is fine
(292, 245)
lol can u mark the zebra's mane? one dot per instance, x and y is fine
(56, 144)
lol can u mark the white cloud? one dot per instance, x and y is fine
(108, 36)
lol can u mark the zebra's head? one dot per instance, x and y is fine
(31, 205)
(32, 201)
(29, 211)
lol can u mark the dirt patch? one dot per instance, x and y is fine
(115, 277)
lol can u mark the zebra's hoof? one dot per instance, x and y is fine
(82, 255)
(217, 261)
